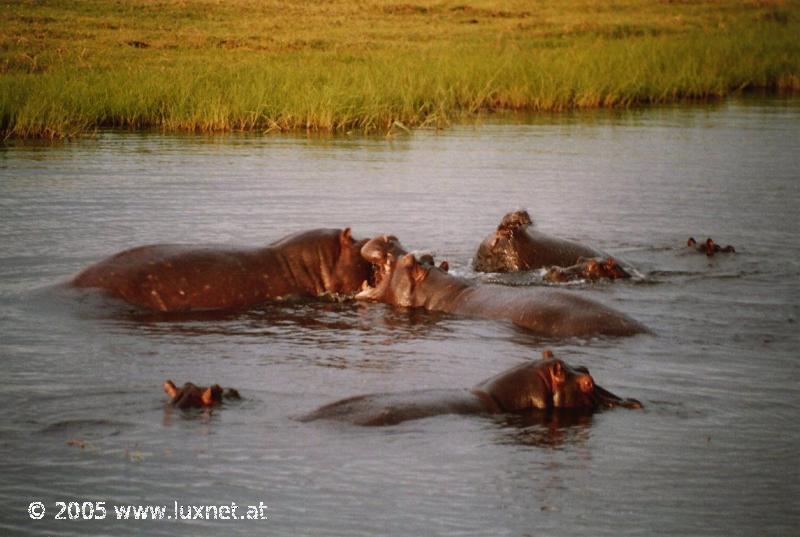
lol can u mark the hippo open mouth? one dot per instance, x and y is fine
(380, 274)
(381, 253)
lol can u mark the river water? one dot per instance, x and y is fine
(715, 451)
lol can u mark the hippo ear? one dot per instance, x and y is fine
(171, 389)
(346, 236)
(408, 261)
(419, 273)
(445, 266)
(547, 353)
(610, 262)
(207, 397)
(558, 371)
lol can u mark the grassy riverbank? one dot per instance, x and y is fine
(71, 66)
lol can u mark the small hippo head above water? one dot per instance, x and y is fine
(709, 247)
(192, 396)
(589, 269)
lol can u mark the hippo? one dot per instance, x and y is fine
(587, 269)
(180, 277)
(192, 396)
(402, 280)
(709, 247)
(516, 246)
(546, 385)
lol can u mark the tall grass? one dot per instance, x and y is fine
(339, 86)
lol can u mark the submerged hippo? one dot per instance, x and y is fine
(402, 280)
(179, 277)
(587, 269)
(545, 385)
(191, 396)
(516, 246)
(709, 247)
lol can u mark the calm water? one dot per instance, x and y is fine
(716, 450)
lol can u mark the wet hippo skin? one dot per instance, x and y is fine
(545, 385)
(402, 280)
(516, 245)
(179, 277)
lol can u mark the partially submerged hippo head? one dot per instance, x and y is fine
(382, 252)
(398, 278)
(394, 270)
(547, 384)
(589, 269)
(709, 247)
(192, 396)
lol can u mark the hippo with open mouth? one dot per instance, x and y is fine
(403, 280)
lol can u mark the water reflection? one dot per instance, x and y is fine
(552, 429)
(319, 321)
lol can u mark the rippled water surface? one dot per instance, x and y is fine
(715, 451)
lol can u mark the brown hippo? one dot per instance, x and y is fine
(545, 385)
(587, 269)
(402, 280)
(191, 396)
(709, 247)
(516, 246)
(178, 277)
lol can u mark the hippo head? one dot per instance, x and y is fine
(588, 269)
(192, 396)
(610, 268)
(396, 273)
(548, 384)
(613, 270)
(381, 253)
(510, 223)
(514, 220)
(398, 278)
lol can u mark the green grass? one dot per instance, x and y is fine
(70, 67)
